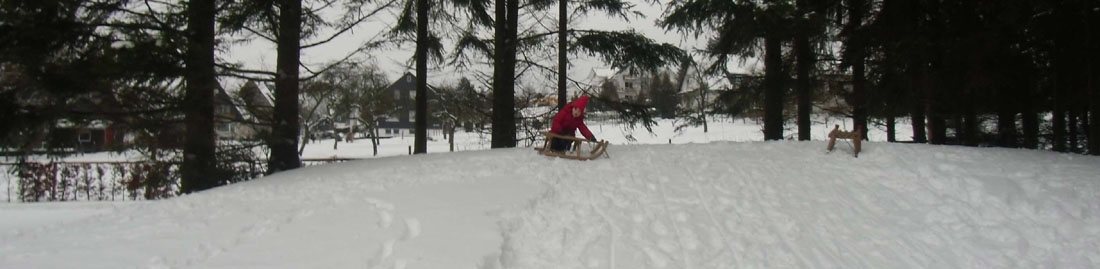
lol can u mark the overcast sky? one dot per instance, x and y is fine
(261, 54)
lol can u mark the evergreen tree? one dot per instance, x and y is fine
(812, 21)
(665, 96)
(855, 56)
(740, 27)
(287, 24)
(622, 49)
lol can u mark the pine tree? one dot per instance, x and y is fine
(740, 26)
(855, 56)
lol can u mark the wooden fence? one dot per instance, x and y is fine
(112, 180)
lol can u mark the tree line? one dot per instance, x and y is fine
(155, 63)
(947, 66)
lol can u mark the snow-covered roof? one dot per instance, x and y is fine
(602, 72)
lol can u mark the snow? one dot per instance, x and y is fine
(705, 203)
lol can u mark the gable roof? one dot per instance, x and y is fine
(222, 98)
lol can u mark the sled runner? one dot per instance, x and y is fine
(856, 136)
(576, 152)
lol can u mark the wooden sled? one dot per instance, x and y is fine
(575, 152)
(856, 136)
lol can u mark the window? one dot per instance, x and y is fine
(412, 95)
(408, 79)
(630, 85)
(84, 137)
(225, 127)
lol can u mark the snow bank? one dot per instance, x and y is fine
(789, 205)
(706, 205)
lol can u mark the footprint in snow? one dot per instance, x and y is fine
(384, 219)
(384, 253)
(412, 228)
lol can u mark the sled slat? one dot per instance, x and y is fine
(599, 149)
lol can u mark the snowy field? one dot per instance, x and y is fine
(694, 204)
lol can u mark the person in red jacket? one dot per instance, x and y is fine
(567, 121)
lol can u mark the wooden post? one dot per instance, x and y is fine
(832, 137)
(858, 139)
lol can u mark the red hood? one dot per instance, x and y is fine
(581, 103)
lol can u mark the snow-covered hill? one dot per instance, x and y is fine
(712, 205)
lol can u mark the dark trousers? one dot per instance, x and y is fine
(558, 144)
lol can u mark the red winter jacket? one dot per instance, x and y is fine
(566, 124)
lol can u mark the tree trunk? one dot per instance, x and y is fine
(1030, 119)
(504, 62)
(1059, 124)
(1094, 96)
(563, 61)
(420, 143)
(1006, 122)
(960, 132)
(1084, 119)
(1093, 71)
(1072, 124)
(305, 140)
(937, 128)
(970, 125)
(703, 107)
(286, 113)
(890, 128)
(859, 77)
(1063, 68)
(917, 95)
(805, 63)
(374, 139)
(199, 152)
(773, 88)
(937, 125)
(451, 137)
(917, 121)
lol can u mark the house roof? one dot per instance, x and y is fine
(603, 72)
(222, 98)
(258, 100)
(410, 80)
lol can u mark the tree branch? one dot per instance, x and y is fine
(260, 34)
(350, 26)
